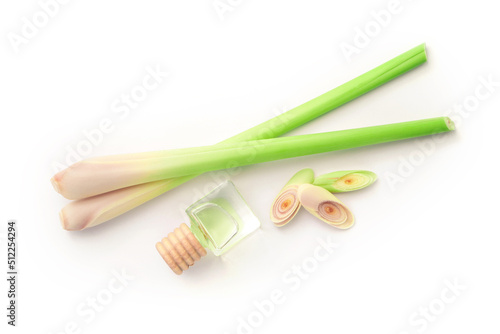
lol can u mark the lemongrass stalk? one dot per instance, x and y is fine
(325, 206)
(286, 205)
(105, 207)
(95, 210)
(345, 180)
(92, 177)
(337, 96)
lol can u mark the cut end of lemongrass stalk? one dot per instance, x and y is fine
(449, 123)
(67, 219)
(344, 181)
(324, 205)
(70, 217)
(286, 204)
(424, 50)
(55, 184)
(92, 177)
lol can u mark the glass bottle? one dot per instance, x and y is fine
(218, 222)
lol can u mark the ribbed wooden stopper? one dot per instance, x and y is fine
(180, 249)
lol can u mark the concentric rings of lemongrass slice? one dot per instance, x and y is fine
(345, 180)
(285, 206)
(353, 181)
(325, 206)
(332, 212)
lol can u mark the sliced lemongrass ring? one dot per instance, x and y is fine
(325, 206)
(344, 181)
(286, 205)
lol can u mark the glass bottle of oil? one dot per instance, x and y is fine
(218, 222)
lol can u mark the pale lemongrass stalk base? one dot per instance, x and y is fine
(92, 211)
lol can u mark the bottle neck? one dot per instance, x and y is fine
(181, 249)
(199, 235)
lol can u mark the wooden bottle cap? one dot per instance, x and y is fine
(180, 249)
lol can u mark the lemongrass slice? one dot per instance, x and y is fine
(325, 206)
(286, 204)
(345, 180)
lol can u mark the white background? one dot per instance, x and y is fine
(439, 223)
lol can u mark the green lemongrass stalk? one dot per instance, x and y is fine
(286, 205)
(338, 96)
(345, 180)
(324, 205)
(107, 206)
(95, 176)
